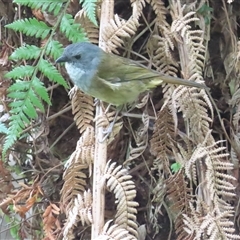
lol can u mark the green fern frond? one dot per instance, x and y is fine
(51, 72)
(90, 8)
(20, 72)
(31, 27)
(72, 30)
(27, 96)
(46, 5)
(16, 126)
(54, 49)
(3, 128)
(26, 52)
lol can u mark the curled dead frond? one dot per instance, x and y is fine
(23, 199)
(51, 224)
(114, 232)
(120, 183)
(82, 108)
(84, 153)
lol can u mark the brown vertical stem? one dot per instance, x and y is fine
(100, 147)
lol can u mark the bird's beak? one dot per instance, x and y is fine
(61, 59)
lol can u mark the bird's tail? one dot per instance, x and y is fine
(174, 80)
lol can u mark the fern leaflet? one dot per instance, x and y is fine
(54, 49)
(26, 52)
(31, 27)
(20, 72)
(3, 128)
(46, 5)
(51, 72)
(90, 8)
(72, 30)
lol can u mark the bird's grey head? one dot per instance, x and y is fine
(81, 61)
(83, 55)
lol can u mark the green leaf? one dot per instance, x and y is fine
(3, 128)
(25, 52)
(72, 30)
(40, 90)
(35, 100)
(54, 49)
(90, 8)
(175, 167)
(30, 27)
(13, 132)
(16, 104)
(20, 72)
(19, 85)
(29, 109)
(51, 72)
(46, 5)
(18, 95)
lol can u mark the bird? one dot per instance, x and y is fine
(108, 77)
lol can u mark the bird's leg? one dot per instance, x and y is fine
(109, 129)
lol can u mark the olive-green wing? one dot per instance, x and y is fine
(118, 69)
(115, 68)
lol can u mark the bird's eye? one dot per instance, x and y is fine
(77, 56)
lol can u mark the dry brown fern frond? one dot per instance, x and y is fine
(120, 183)
(114, 232)
(74, 184)
(90, 29)
(51, 224)
(163, 136)
(216, 177)
(141, 139)
(178, 198)
(81, 211)
(234, 102)
(194, 107)
(178, 194)
(215, 185)
(160, 11)
(137, 7)
(194, 104)
(84, 153)
(107, 120)
(182, 154)
(209, 224)
(117, 29)
(163, 58)
(82, 108)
